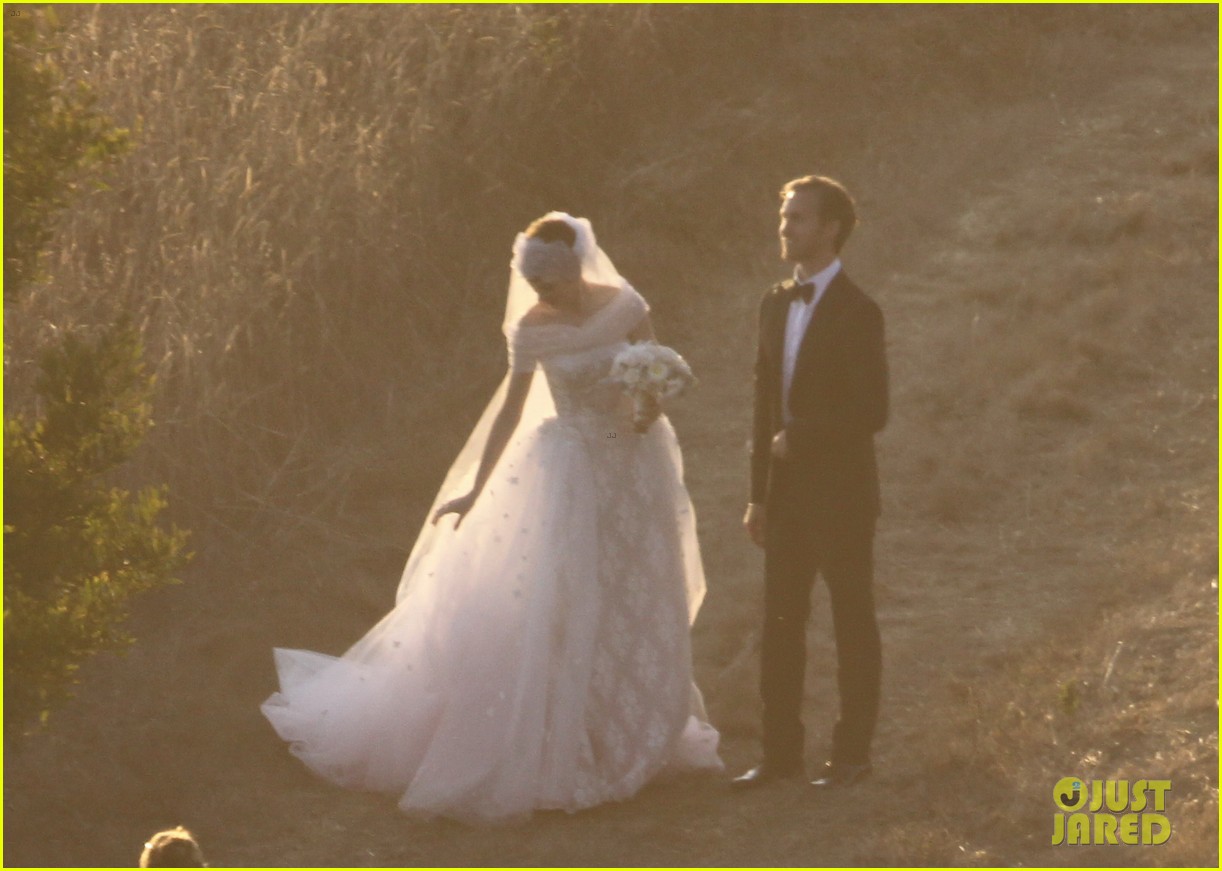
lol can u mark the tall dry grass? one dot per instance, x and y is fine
(313, 228)
(320, 206)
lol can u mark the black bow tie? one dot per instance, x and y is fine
(804, 292)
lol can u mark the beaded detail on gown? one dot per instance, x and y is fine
(540, 658)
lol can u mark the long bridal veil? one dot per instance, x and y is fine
(596, 268)
(538, 656)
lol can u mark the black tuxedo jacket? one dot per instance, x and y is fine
(838, 400)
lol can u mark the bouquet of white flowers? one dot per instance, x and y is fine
(648, 373)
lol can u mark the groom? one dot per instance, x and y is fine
(820, 395)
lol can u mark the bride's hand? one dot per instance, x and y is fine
(459, 506)
(643, 417)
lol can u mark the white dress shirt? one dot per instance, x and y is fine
(800, 314)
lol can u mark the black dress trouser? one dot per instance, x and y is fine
(802, 539)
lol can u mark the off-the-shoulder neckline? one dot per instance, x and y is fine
(615, 297)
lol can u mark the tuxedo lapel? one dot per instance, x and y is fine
(821, 329)
(776, 329)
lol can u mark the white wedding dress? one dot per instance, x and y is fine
(538, 656)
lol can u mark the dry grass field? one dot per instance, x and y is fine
(314, 227)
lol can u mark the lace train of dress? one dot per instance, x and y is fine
(540, 656)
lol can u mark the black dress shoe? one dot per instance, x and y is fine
(766, 773)
(838, 774)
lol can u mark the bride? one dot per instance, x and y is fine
(538, 654)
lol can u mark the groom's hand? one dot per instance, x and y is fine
(754, 522)
(780, 445)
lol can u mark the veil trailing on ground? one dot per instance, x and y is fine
(536, 656)
(596, 268)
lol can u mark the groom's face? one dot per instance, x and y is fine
(804, 235)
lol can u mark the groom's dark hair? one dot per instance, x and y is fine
(835, 204)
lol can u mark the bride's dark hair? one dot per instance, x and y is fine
(551, 230)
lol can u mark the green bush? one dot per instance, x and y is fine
(75, 548)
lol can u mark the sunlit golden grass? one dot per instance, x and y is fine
(320, 208)
(321, 200)
(1120, 700)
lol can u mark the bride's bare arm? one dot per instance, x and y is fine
(498, 437)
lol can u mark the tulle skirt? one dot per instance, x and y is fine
(538, 656)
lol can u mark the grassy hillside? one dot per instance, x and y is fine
(315, 227)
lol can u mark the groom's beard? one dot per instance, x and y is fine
(794, 252)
